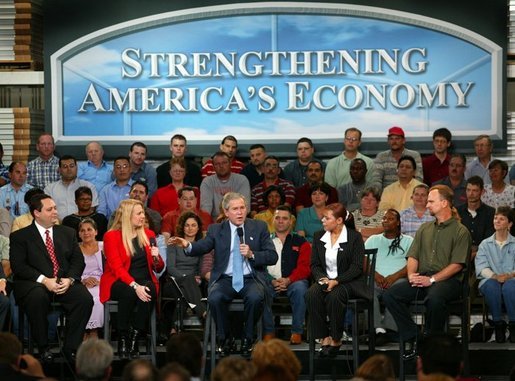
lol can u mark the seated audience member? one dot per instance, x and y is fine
(244, 278)
(129, 274)
(349, 194)
(110, 196)
(295, 170)
(386, 162)
(4, 172)
(392, 247)
(95, 170)
(47, 265)
(185, 269)
(173, 372)
(439, 354)
(456, 179)
(271, 177)
(139, 191)
(273, 197)
(12, 194)
(434, 279)
(377, 367)
(276, 353)
(214, 187)
(254, 170)
(26, 218)
(185, 349)
(368, 218)
(94, 359)
(336, 280)
(11, 357)
(83, 199)
(92, 251)
(309, 219)
(5, 272)
(166, 198)
(43, 169)
(229, 145)
(417, 214)
(475, 215)
(315, 174)
(140, 169)
(5, 222)
(63, 190)
(398, 195)
(178, 149)
(139, 370)
(337, 171)
(495, 269)
(290, 275)
(498, 192)
(436, 165)
(479, 166)
(234, 369)
(187, 203)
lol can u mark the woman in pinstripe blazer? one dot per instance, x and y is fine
(337, 267)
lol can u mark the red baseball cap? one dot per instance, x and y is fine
(396, 131)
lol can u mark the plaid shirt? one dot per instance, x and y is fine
(410, 222)
(41, 172)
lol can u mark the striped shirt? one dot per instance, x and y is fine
(257, 203)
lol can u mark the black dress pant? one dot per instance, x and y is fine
(398, 298)
(321, 304)
(132, 311)
(77, 303)
(191, 291)
(221, 294)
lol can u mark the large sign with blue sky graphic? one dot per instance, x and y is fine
(275, 72)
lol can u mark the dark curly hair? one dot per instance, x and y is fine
(179, 229)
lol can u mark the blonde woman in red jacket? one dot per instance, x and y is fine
(132, 257)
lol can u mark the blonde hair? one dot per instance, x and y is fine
(122, 222)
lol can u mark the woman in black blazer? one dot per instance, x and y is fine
(337, 268)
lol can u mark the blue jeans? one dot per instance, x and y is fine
(296, 292)
(495, 293)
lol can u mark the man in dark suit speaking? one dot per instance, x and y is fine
(47, 264)
(243, 249)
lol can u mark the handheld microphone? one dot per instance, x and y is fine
(239, 231)
(153, 243)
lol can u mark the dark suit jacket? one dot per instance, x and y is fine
(349, 262)
(219, 238)
(29, 257)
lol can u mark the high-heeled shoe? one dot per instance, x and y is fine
(123, 349)
(333, 350)
(323, 351)
(133, 344)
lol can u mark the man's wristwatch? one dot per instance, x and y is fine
(72, 281)
(432, 280)
(134, 286)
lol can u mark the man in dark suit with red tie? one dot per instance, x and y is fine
(243, 249)
(47, 264)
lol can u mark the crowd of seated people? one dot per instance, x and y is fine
(387, 199)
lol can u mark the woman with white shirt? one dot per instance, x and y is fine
(337, 267)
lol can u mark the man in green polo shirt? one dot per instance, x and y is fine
(436, 259)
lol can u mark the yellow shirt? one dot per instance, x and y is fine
(397, 197)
